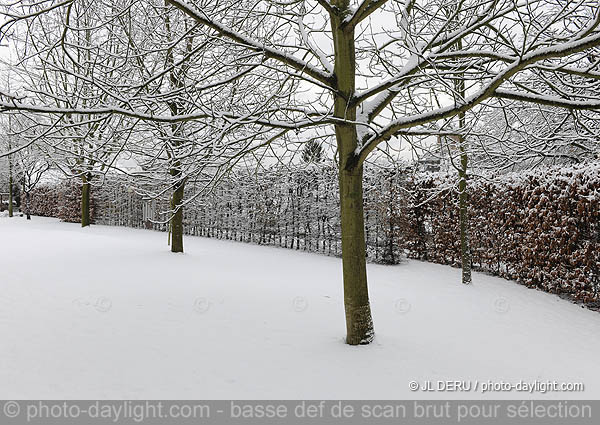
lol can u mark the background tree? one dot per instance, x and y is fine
(8, 162)
(312, 152)
(56, 66)
(31, 164)
(523, 136)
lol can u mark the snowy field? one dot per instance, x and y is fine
(109, 313)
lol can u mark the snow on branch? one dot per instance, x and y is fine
(269, 52)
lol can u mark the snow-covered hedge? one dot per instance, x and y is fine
(541, 228)
(62, 201)
(297, 209)
(43, 201)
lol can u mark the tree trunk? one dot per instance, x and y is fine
(27, 206)
(85, 202)
(359, 323)
(177, 79)
(10, 172)
(463, 200)
(10, 188)
(465, 242)
(177, 218)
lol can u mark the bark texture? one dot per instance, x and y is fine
(27, 206)
(85, 202)
(463, 200)
(10, 190)
(177, 219)
(359, 323)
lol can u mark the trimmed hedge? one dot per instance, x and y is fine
(43, 201)
(62, 201)
(540, 228)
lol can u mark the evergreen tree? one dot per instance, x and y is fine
(312, 152)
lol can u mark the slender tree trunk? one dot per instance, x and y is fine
(27, 206)
(177, 218)
(465, 242)
(10, 171)
(10, 186)
(26, 202)
(463, 199)
(359, 323)
(85, 202)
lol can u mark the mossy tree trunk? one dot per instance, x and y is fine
(85, 201)
(177, 217)
(463, 196)
(10, 172)
(26, 192)
(463, 200)
(10, 185)
(359, 323)
(27, 213)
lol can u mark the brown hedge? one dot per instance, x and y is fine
(540, 228)
(62, 201)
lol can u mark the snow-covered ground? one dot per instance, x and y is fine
(108, 312)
